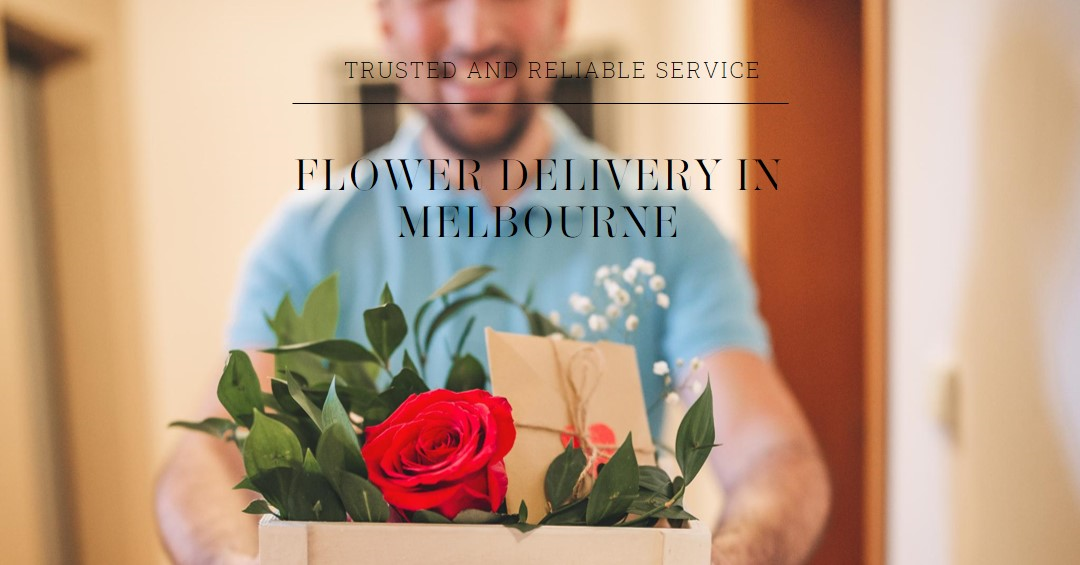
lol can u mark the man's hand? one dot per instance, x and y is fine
(199, 515)
(769, 464)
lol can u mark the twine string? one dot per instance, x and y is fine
(578, 380)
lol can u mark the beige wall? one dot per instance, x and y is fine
(985, 194)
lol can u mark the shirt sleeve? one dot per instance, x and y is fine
(274, 265)
(713, 298)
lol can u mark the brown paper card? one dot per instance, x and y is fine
(529, 372)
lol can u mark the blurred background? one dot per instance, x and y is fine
(919, 268)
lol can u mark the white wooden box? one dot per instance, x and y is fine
(340, 543)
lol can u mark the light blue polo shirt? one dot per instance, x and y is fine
(357, 235)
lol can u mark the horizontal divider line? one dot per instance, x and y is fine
(539, 103)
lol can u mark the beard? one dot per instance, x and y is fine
(442, 123)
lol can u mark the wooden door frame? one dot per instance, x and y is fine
(818, 244)
(103, 402)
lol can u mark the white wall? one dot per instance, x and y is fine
(983, 278)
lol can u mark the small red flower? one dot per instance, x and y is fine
(600, 436)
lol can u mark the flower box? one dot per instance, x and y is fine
(336, 543)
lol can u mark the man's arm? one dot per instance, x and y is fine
(776, 483)
(199, 515)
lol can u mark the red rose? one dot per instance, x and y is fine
(442, 451)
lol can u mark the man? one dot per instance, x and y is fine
(776, 483)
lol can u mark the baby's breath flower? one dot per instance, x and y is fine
(577, 331)
(660, 368)
(644, 266)
(696, 387)
(679, 362)
(632, 323)
(663, 300)
(554, 317)
(630, 274)
(672, 397)
(621, 297)
(611, 287)
(639, 289)
(695, 364)
(657, 283)
(616, 270)
(556, 336)
(581, 304)
(603, 272)
(613, 311)
(598, 323)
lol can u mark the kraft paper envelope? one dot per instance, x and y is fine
(531, 373)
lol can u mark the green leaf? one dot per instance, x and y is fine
(488, 293)
(540, 324)
(356, 376)
(386, 328)
(311, 497)
(655, 479)
(523, 512)
(333, 412)
(271, 445)
(373, 409)
(522, 524)
(270, 402)
(245, 484)
(416, 330)
(647, 501)
(274, 485)
(311, 366)
(572, 514)
(676, 512)
(696, 434)
(562, 475)
(296, 393)
(616, 487)
(406, 383)
(286, 321)
(258, 507)
(387, 297)
(320, 314)
(658, 505)
(333, 349)
(429, 517)
(238, 390)
(311, 465)
(216, 427)
(462, 279)
(466, 374)
(339, 452)
(475, 516)
(464, 336)
(678, 485)
(407, 363)
(362, 500)
(279, 400)
(304, 430)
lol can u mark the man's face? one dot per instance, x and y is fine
(465, 32)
